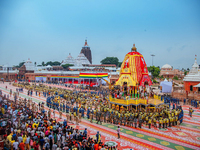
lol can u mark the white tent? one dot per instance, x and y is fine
(166, 86)
(198, 85)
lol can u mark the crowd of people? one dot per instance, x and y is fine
(26, 125)
(96, 108)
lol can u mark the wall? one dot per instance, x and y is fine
(187, 85)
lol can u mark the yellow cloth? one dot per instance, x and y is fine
(9, 137)
(2, 110)
(24, 138)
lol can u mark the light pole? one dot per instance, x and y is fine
(152, 58)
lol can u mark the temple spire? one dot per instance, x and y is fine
(134, 49)
(86, 42)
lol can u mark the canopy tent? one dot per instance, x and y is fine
(166, 86)
(198, 85)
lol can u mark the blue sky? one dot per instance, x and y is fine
(48, 30)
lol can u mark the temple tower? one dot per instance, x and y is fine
(87, 52)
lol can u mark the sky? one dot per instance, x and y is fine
(48, 30)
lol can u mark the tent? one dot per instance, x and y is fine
(166, 86)
(198, 85)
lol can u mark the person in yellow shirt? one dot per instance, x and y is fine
(51, 127)
(24, 137)
(2, 110)
(149, 123)
(12, 141)
(160, 123)
(167, 122)
(173, 119)
(35, 125)
(9, 137)
(146, 120)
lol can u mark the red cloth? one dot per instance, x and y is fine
(36, 147)
(21, 146)
(96, 146)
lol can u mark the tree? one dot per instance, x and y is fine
(43, 64)
(55, 63)
(175, 78)
(66, 66)
(155, 71)
(110, 60)
(186, 72)
(154, 81)
(20, 64)
(119, 64)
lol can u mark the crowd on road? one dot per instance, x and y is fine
(97, 108)
(26, 125)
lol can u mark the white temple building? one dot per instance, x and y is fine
(78, 62)
(81, 60)
(192, 80)
(29, 65)
(194, 74)
(69, 60)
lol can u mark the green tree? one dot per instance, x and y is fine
(55, 63)
(155, 71)
(20, 64)
(66, 66)
(154, 81)
(43, 64)
(175, 78)
(110, 60)
(185, 72)
(119, 64)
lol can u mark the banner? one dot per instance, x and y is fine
(93, 75)
(40, 78)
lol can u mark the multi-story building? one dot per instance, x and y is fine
(167, 71)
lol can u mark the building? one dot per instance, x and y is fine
(69, 60)
(82, 70)
(8, 73)
(87, 52)
(81, 60)
(167, 71)
(193, 78)
(84, 58)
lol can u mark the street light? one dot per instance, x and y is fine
(152, 58)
